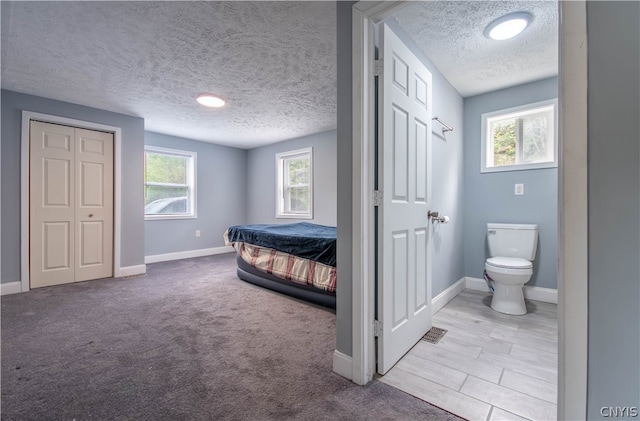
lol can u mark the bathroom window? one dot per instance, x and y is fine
(520, 138)
(169, 183)
(295, 184)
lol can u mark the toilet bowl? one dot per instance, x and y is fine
(508, 276)
(512, 248)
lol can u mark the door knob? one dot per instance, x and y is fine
(432, 214)
(90, 215)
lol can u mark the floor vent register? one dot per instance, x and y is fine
(434, 335)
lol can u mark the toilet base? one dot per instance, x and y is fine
(508, 299)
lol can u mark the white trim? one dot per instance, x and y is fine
(573, 213)
(546, 295)
(342, 364)
(132, 270)
(447, 295)
(10, 288)
(27, 116)
(187, 254)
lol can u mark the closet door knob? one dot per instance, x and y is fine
(90, 215)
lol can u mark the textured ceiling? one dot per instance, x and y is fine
(450, 33)
(275, 62)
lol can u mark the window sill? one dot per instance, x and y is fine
(165, 217)
(293, 216)
(521, 167)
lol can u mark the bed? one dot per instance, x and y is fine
(296, 259)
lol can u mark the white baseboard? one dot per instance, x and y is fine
(10, 288)
(546, 295)
(187, 254)
(131, 271)
(447, 295)
(342, 364)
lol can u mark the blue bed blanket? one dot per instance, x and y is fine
(302, 239)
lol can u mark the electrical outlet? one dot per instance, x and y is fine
(519, 191)
(197, 233)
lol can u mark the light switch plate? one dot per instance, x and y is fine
(519, 191)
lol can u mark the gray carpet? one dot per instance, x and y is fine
(187, 341)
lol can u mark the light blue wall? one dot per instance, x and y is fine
(447, 161)
(489, 197)
(613, 41)
(221, 182)
(261, 179)
(132, 234)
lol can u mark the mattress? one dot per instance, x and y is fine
(287, 266)
(303, 239)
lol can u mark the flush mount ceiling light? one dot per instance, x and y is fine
(508, 26)
(210, 100)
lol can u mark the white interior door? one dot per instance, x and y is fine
(404, 153)
(70, 204)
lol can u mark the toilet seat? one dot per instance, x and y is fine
(509, 262)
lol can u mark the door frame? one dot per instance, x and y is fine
(25, 163)
(572, 194)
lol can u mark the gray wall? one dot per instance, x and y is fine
(489, 197)
(132, 252)
(614, 205)
(345, 169)
(447, 195)
(261, 179)
(221, 182)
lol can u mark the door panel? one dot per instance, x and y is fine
(51, 210)
(404, 289)
(94, 207)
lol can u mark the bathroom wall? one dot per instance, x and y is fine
(489, 197)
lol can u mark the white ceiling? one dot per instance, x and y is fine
(450, 33)
(275, 62)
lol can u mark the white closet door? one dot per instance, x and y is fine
(70, 204)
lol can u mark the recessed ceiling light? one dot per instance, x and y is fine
(508, 26)
(210, 100)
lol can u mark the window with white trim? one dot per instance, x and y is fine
(295, 184)
(520, 138)
(169, 183)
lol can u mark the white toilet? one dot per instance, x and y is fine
(512, 248)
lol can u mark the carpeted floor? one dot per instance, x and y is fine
(187, 341)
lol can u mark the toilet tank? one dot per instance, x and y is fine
(513, 240)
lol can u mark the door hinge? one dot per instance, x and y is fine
(377, 329)
(378, 67)
(377, 198)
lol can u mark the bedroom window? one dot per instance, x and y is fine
(520, 138)
(295, 184)
(169, 183)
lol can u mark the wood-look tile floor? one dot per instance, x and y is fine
(489, 366)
